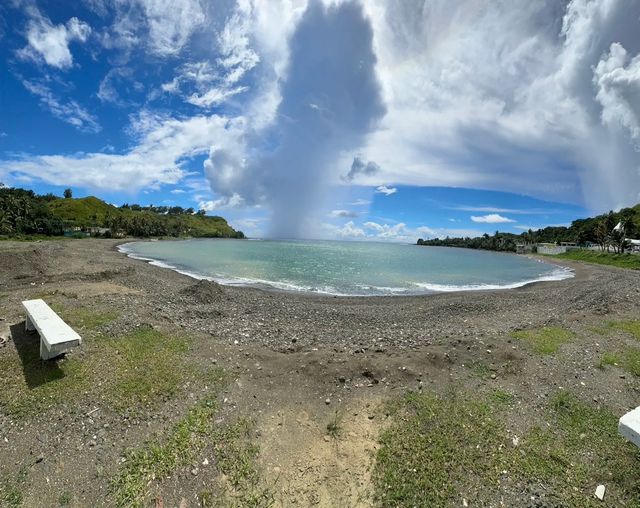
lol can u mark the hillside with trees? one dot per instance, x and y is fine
(600, 230)
(25, 213)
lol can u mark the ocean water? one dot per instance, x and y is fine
(344, 268)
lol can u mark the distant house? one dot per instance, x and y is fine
(524, 248)
(551, 249)
(96, 231)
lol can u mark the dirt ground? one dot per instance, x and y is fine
(313, 374)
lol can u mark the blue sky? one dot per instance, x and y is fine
(383, 120)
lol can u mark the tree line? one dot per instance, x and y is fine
(609, 231)
(23, 212)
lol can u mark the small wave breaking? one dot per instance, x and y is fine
(406, 288)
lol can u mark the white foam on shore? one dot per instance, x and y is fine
(556, 275)
(560, 273)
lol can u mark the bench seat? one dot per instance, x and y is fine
(56, 336)
(629, 426)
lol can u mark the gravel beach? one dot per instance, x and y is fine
(294, 359)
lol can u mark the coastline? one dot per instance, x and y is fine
(563, 272)
(293, 363)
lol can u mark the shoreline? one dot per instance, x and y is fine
(156, 343)
(272, 286)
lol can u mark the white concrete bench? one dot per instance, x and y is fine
(629, 426)
(56, 336)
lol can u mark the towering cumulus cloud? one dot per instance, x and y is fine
(330, 101)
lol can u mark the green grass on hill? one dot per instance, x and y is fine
(89, 211)
(631, 261)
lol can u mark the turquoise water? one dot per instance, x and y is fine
(344, 268)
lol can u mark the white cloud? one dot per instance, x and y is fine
(618, 80)
(234, 201)
(113, 80)
(501, 96)
(344, 214)
(164, 145)
(214, 96)
(170, 25)
(50, 43)
(360, 202)
(249, 226)
(211, 86)
(178, 191)
(492, 218)
(161, 27)
(387, 191)
(69, 111)
(400, 232)
(349, 231)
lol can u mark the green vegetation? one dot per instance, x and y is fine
(11, 489)
(30, 386)
(608, 358)
(441, 449)
(480, 369)
(193, 437)
(631, 326)
(603, 258)
(628, 359)
(595, 230)
(22, 212)
(545, 340)
(428, 450)
(334, 427)
(82, 318)
(503, 398)
(65, 499)
(25, 214)
(145, 367)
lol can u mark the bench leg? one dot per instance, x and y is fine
(45, 354)
(28, 325)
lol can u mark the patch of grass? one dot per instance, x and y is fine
(334, 427)
(159, 459)
(83, 318)
(11, 489)
(503, 398)
(628, 359)
(631, 261)
(631, 327)
(480, 369)
(147, 366)
(546, 340)
(64, 499)
(206, 498)
(234, 457)
(30, 385)
(440, 448)
(608, 358)
(435, 443)
(142, 368)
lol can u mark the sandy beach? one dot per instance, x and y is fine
(293, 364)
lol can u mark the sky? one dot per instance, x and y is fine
(340, 119)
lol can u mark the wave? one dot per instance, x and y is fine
(363, 290)
(556, 275)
